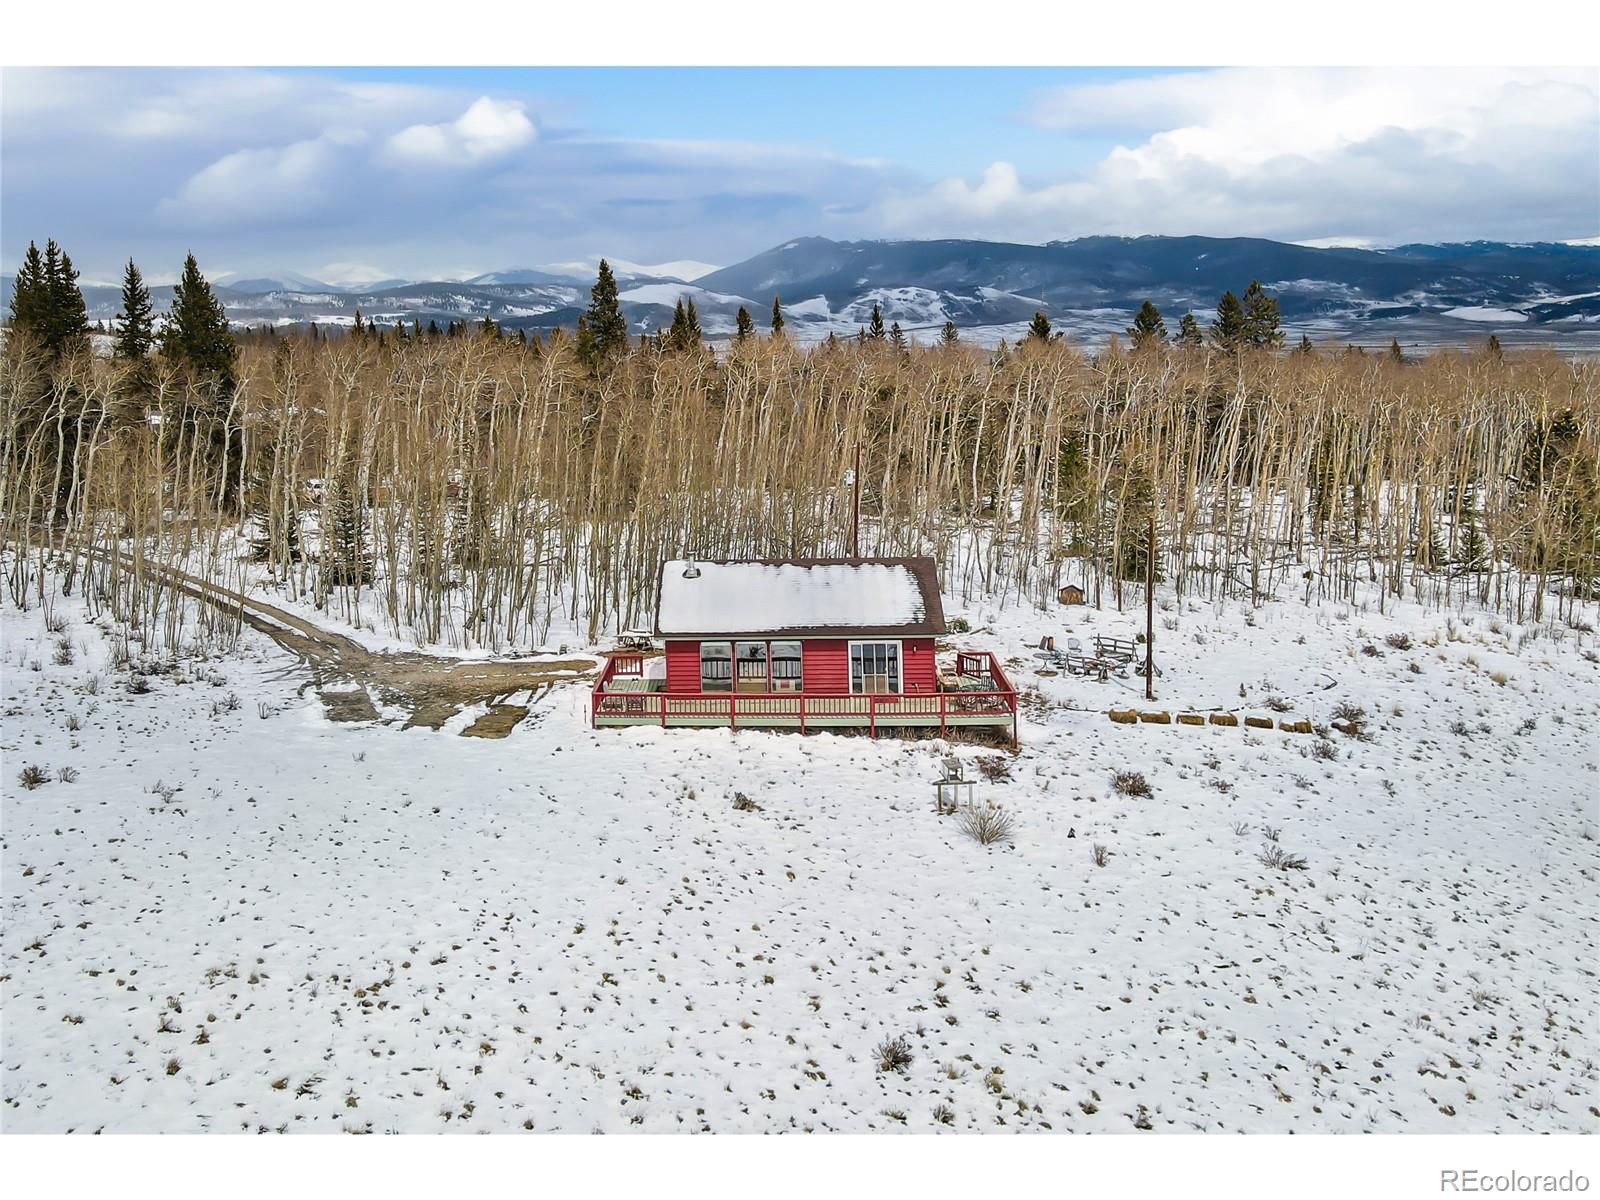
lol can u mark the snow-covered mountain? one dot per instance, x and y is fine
(1420, 294)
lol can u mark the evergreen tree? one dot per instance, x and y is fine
(1395, 353)
(743, 325)
(490, 329)
(359, 329)
(1148, 329)
(1261, 317)
(433, 328)
(1472, 549)
(583, 341)
(1189, 334)
(897, 339)
(678, 331)
(608, 328)
(1230, 330)
(30, 300)
(46, 301)
(1493, 348)
(1305, 346)
(949, 335)
(135, 325)
(1039, 327)
(875, 329)
(777, 317)
(196, 330)
(69, 319)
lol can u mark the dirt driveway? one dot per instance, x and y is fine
(431, 689)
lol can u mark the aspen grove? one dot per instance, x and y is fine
(471, 490)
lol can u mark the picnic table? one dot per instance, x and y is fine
(636, 639)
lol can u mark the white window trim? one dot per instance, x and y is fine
(900, 655)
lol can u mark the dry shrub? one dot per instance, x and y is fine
(893, 1054)
(1276, 857)
(1099, 855)
(986, 825)
(33, 776)
(1130, 783)
(996, 768)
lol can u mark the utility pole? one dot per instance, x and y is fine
(1150, 611)
(855, 507)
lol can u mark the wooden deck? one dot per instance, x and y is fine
(984, 698)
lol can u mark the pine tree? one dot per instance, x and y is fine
(743, 325)
(69, 322)
(692, 324)
(433, 328)
(359, 329)
(777, 317)
(1305, 346)
(30, 301)
(949, 335)
(490, 329)
(46, 301)
(608, 328)
(897, 339)
(875, 329)
(135, 325)
(1395, 353)
(678, 331)
(1493, 348)
(1039, 327)
(1261, 317)
(1189, 334)
(1230, 330)
(1148, 329)
(1472, 549)
(196, 330)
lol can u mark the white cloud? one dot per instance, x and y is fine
(1362, 154)
(266, 184)
(489, 129)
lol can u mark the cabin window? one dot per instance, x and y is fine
(786, 671)
(874, 666)
(716, 666)
(751, 666)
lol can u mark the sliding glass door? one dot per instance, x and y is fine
(875, 666)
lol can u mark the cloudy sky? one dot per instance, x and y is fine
(359, 174)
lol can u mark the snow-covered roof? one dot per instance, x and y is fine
(817, 597)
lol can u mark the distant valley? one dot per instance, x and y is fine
(1419, 294)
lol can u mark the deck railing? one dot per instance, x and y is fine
(984, 691)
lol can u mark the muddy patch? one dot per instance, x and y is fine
(351, 705)
(500, 720)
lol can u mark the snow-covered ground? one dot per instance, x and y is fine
(238, 915)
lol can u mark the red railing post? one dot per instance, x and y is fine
(943, 715)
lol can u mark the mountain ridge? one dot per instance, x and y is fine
(1418, 292)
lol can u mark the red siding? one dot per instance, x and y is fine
(825, 664)
(917, 664)
(825, 667)
(683, 666)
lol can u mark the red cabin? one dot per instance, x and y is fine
(802, 643)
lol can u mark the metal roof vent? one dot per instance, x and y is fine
(690, 571)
